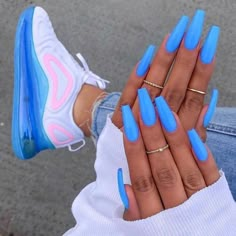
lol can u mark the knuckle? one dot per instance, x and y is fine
(165, 178)
(193, 103)
(193, 181)
(143, 184)
(203, 70)
(174, 98)
(187, 61)
(163, 61)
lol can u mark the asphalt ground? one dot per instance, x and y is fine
(36, 195)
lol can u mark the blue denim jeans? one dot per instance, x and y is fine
(221, 135)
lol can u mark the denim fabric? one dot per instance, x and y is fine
(221, 135)
(104, 108)
(222, 142)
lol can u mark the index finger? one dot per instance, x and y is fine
(143, 184)
(134, 82)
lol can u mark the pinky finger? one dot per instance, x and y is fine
(206, 115)
(201, 130)
(204, 158)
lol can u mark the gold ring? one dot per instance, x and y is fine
(158, 150)
(153, 85)
(196, 91)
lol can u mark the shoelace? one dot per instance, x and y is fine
(101, 83)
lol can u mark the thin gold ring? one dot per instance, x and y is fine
(158, 150)
(197, 91)
(153, 84)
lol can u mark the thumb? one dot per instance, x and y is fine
(132, 213)
(128, 199)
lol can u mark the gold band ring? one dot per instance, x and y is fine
(196, 91)
(153, 85)
(158, 150)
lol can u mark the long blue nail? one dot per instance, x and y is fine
(198, 146)
(146, 61)
(147, 109)
(211, 108)
(130, 125)
(166, 116)
(177, 34)
(195, 30)
(121, 187)
(210, 45)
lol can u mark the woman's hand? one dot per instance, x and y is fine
(180, 65)
(166, 164)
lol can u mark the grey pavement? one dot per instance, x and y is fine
(36, 195)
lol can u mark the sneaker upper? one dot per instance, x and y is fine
(65, 78)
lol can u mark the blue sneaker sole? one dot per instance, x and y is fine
(30, 93)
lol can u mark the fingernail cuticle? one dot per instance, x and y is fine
(194, 32)
(210, 45)
(211, 108)
(121, 187)
(146, 61)
(198, 146)
(177, 34)
(147, 109)
(166, 115)
(130, 125)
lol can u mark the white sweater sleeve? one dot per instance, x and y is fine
(98, 209)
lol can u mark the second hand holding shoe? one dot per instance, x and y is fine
(47, 81)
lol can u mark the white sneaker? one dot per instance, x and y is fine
(47, 81)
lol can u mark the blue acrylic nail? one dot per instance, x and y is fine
(177, 34)
(147, 109)
(198, 146)
(211, 108)
(130, 125)
(210, 45)
(146, 61)
(121, 187)
(166, 115)
(195, 30)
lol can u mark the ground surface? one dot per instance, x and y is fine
(36, 195)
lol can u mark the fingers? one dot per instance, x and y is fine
(179, 145)
(143, 184)
(134, 82)
(192, 105)
(163, 176)
(175, 88)
(164, 170)
(163, 61)
(165, 56)
(204, 158)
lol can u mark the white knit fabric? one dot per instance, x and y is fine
(98, 209)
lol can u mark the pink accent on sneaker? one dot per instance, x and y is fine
(55, 102)
(52, 128)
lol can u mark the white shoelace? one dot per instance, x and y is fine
(101, 83)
